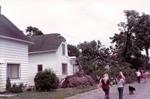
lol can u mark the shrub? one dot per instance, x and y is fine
(30, 88)
(14, 88)
(46, 80)
(8, 85)
(17, 88)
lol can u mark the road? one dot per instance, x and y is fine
(142, 91)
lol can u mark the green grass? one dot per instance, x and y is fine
(56, 94)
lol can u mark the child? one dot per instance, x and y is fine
(105, 85)
(120, 83)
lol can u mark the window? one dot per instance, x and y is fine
(13, 71)
(40, 67)
(64, 69)
(63, 49)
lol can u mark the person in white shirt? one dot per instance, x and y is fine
(120, 84)
(138, 75)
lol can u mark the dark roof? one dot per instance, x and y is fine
(8, 29)
(48, 42)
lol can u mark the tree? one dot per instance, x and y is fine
(94, 57)
(134, 36)
(73, 50)
(125, 40)
(31, 31)
(142, 33)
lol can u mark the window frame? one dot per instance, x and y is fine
(18, 70)
(64, 71)
(39, 65)
(63, 49)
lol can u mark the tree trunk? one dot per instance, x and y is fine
(147, 57)
(79, 65)
(127, 47)
(147, 53)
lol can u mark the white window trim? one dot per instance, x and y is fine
(66, 68)
(19, 76)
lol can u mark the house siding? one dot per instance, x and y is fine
(64, 59)
(51, 61)
(48, 61)
(13, 52)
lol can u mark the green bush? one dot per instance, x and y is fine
(8, 85)
(17, 88)
(14, 88)
(46, 81)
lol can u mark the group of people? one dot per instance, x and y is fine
(105, 84)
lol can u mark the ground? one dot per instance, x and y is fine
(142, 91)
(60, 93)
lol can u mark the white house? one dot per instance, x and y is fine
(13, 53)
(49, 52)
(22, 57)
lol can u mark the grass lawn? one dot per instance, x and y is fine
(56, 94)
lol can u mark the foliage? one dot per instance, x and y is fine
(134, 36)
(94, 57)
(46, 80)
(17, 88)
(8, 85)
(73, 50)
(142, 32)
(127, 71)
(125, 40)
(80, 79)
(14, 88)
(32, 31)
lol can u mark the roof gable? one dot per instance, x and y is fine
(46, 43)
(9, 30)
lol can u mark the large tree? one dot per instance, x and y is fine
(125, 39)
(32, 31)
(142, 33)
(134, 36)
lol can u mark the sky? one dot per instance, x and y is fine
(76, 20)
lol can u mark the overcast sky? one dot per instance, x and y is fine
(76, 20)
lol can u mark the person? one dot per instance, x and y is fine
(105, 85)
(144, 76)
(120, 84)
(138, 74)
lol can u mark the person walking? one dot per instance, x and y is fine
(144, 75)
(105, 85)
(138, 75)
(120, 84)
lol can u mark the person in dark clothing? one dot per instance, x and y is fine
(105, 85)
